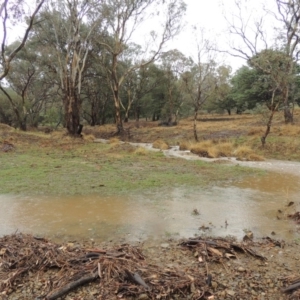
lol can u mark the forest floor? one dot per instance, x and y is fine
(198, 268)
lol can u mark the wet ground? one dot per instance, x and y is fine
(259, 204)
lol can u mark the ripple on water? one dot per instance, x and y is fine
(250, 204)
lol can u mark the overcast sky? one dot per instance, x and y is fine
(211, 16)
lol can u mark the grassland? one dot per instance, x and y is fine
(56, 164)
(234, 131)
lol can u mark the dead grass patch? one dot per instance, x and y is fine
(160, 144)
(185, 145)
(225, 149)
(289, 130)
(141, 151)
(202, 148)
(245, 153)
(114, 141)
(212, 149)
(257, 131)
(124, 147)
(88, 137)
(4, 127)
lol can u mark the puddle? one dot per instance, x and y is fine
(250, 204)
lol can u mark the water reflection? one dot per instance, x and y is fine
(250, 204)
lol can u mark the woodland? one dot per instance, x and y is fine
(78, 64)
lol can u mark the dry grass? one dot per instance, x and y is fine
(288, 130)
(121, 147)
(256, 131)
(160, 144)
(246, 153)
(185, 145)
(225, 149)
(88, 137)
(212, 149)
(114, 141)
(202, 148)
(141, 151)
(4, 127)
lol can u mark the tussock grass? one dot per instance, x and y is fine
(185, 145)
(225, 149)
(114, 141)
(141, 151)
(4, 127)
(122, 147)
(246, 153)
(212, 149)
(201, 148)
(160, 144)
(88, 137)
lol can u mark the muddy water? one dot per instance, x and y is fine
(246, 205)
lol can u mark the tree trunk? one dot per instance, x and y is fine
(269, 124)
(118, 118)
(72, 112)
(288, 116)
(195, 123)
(126, 118)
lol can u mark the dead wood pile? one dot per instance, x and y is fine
(121, 271)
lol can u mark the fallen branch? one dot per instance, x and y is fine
(72, 285)
(291, 287)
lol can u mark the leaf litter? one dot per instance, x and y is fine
(195, 268)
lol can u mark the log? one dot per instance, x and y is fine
(291, 287)
(72, 285)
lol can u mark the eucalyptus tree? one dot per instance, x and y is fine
(220, 99)
(65, 29)
(121, 20)
(289, 17)
(253, 30)
(13, 13)
(174, 64)
(28, 90)
(274, 68)
(200, 81)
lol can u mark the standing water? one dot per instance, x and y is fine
(251, 204)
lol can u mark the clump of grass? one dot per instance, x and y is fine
(225, 149)
(201, 148)
(245, 153)
(114, 141)
(185, 145)
(58, 134)
(212, 150)
(141, 151)
(4, 127)
(160, 144)
(122, 147)
(88, 137)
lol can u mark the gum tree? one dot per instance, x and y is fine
(121, 20)
(65, 29)
(12, 12)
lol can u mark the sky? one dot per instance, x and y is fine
(210, 15)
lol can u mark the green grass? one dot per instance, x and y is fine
(92, 168)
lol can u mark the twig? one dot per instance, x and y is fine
(72, 285)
